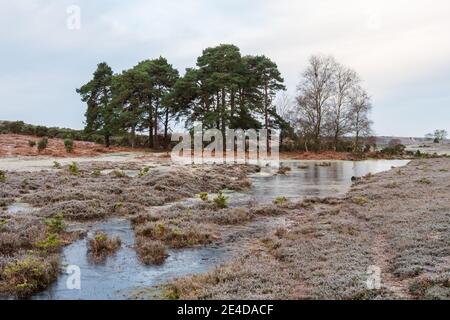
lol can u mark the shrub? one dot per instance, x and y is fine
(41, 131)
(68, 144)
(424, 181)
(221, 201)
(360, 200)
(73, 168)
(119, 174)
(101, 245)
(42, 144)
(144, 171)
(2, 176)
(51, 243)
(56, 224)
(151, 252)
(31, 143)
(204, 196)
(29, 275)
(56, 165)
(280, 200)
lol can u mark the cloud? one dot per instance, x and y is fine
(394, 45)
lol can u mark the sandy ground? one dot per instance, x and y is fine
(397, 221)
(12, 145)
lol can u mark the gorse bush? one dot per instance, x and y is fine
(68, 144)
(42, 144)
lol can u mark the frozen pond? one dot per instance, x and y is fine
(123, 274)
(312, 178)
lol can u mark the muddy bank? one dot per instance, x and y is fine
(397, 221)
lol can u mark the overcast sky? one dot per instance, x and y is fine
(401, 49)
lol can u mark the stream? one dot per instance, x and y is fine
(122, 275)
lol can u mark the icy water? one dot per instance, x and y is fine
(312, 178)
(122, 275)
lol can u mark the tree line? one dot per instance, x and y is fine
(225, 90)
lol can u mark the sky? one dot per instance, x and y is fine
(400, 48)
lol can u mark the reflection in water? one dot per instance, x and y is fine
(308, 178)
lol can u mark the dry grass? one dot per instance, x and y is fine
(327, 246)
(101, 246)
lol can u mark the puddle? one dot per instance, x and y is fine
(122, 274)
(20, 208)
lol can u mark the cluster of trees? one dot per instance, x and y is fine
(331, 106)
(224, 90)
(228, 90)
(438, 136)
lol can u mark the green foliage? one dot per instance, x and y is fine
(424, 181)
(29, 275)
(221, 201)
(280, 200)
(2, 176)
(42, 144)
(56, 165)
(144, 171)
(31, 143)
(73, 169)
(204, 196)
(52, 242)
(56, 224)
(68, 144)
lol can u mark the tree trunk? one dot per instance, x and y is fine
(166, 129)
(107, 140)
(133, 136)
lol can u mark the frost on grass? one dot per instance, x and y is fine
(327, 246)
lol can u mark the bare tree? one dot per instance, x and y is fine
(331, 103)
(339, 120)
(360, 110)
(314, 94)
